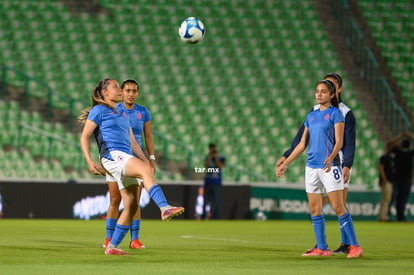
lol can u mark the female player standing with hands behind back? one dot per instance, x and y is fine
(323, 132)
(110, 126)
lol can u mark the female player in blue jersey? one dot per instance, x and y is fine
(140, 121)
(111, 127)
(347, 152)
(323, 131)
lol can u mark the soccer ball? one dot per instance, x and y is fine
(191, 30)
(261, 216)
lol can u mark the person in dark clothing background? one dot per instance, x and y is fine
(404, 155)
(386, 181)
(214, 164)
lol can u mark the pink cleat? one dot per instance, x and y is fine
(354, 252)
(115, 251)
(171, 211)
(105, 244)
(136, 244)
(318, 252)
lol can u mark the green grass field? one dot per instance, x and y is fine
(200, 247)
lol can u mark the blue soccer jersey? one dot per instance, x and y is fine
(348, 148)
(112, 132)
(321, 125)
(138, 116)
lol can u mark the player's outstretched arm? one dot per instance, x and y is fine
(280, 170)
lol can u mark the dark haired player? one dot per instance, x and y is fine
(323, 132)
(347, 152)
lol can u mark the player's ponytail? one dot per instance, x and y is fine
(97, 99)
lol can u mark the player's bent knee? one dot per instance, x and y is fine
(115, 201)
(339, 210)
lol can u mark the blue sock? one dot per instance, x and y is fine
(346, 224)
(135, 226)
(318, 223)
(110, 227)
(344, 237)
(119, 234)
(158, 196)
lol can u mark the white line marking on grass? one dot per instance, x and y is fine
(214, 239)
(233, 240)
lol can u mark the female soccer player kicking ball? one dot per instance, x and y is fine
(140, 121)
(324, 133)
(111, 128)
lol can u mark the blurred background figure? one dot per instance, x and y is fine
(386, 180)
(404, 155)
(200, 204)
(214, 164)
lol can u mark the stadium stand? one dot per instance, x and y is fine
(30, 148)
(392, 25)
(247, 86)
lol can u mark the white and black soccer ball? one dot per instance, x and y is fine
(191, 30)
(261, 216)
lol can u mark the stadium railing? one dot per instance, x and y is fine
(180, 153)
(396, 117)
(35, 88)
(235, 173)
(175, 151)
(23, 127)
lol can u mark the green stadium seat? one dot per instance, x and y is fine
(391, 23)
(236, 86)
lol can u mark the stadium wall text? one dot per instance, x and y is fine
(65, 200)
(54, 200)
(291, 204)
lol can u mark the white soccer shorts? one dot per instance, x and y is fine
(115, 169)
(126, 181)
(317, 180)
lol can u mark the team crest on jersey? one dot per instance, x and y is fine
(139, 116)
(326, 117)
(125, 115)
